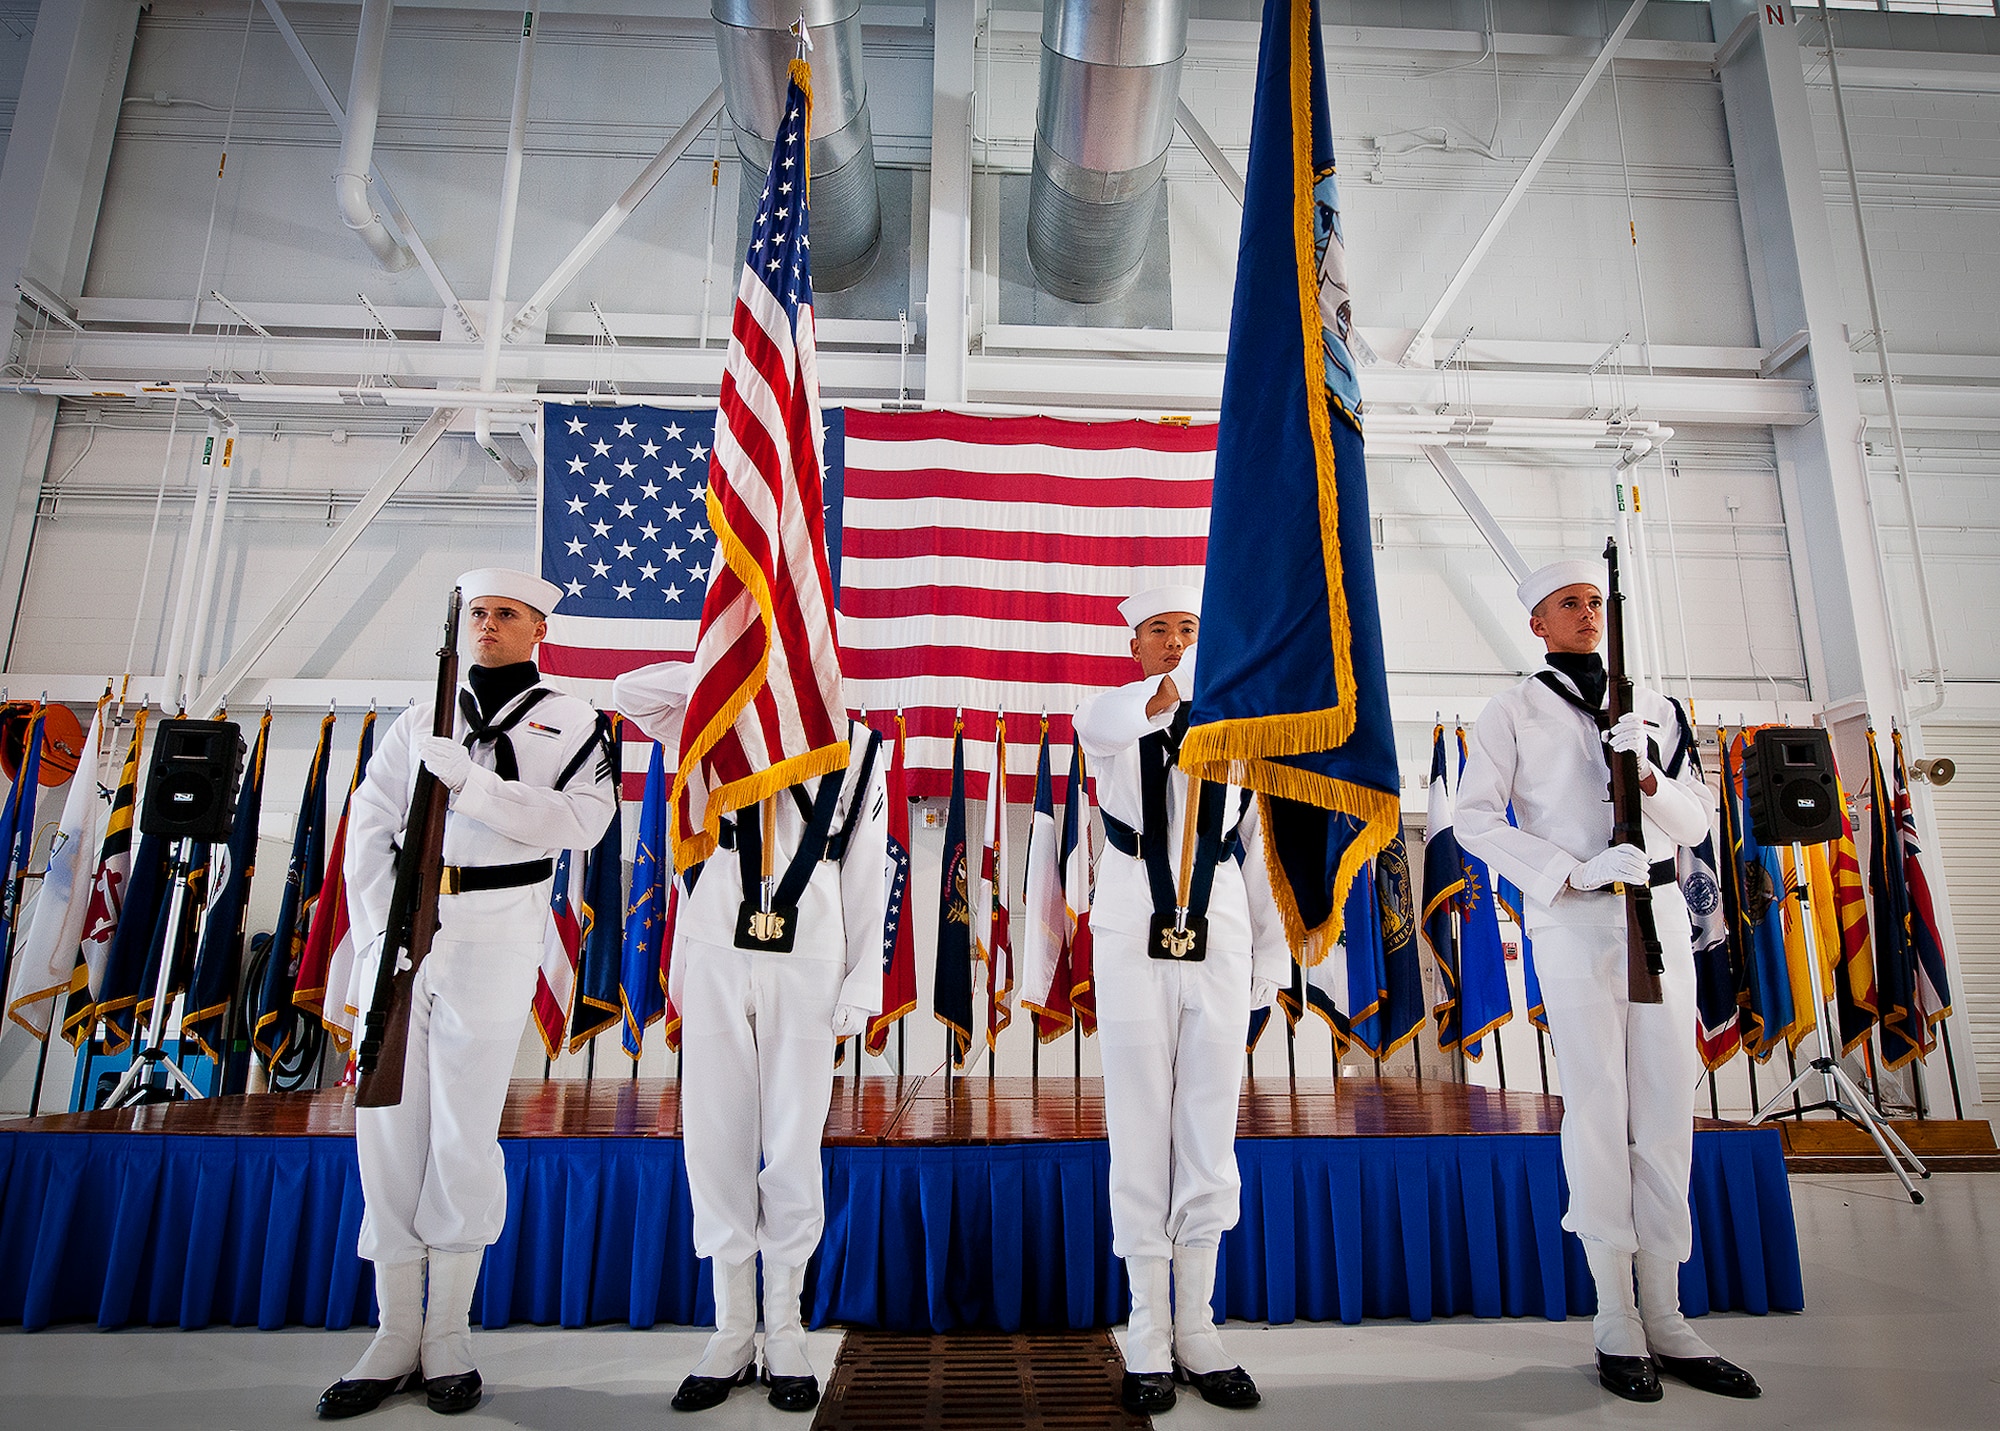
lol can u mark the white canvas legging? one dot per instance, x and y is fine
(1629, 1074)
(1172, 1038)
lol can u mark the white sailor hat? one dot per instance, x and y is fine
(1157, 602)
(1547, 581)
(519, 586)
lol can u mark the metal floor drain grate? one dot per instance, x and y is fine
(976, 1381)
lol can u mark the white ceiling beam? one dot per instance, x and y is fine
(1522, 183)
(216, 690)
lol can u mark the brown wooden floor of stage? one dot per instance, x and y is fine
(879, 1110)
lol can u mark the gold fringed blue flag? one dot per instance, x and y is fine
(1291, 698)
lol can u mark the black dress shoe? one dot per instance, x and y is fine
(362, 1395)
(1232, 1389)
(1712, 1373)
(698, 1393)
(793, 1393)
(1147, 1393)
(1633, 1377)
(449, 1395)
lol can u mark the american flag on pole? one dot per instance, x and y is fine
(983, 560)
(767, 710)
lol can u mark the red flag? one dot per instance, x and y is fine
(990, 927)
(1076, 874)
(1045, 965)
(326, 968)
(767, 710)
(899, 950)
(562, 945)
(670, 1014)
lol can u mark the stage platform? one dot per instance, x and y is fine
(979, 1203)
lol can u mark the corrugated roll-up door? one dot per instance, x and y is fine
(1968, 819)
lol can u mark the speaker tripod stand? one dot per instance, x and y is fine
(135, 1087)
(1840, 1095)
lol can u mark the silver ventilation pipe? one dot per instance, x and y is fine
(357, 145)
(1111, 74)
(755, 43)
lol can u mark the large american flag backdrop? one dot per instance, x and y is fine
(978, 562)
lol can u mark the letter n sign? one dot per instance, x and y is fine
(1774, 14)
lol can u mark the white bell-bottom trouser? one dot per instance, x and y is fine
(1629, 1074)
(756, 1081)
(1172, 1036)
(431, 1171)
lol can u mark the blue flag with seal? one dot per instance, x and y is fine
(1484, 1000)
(640, 992)
(1291, 699)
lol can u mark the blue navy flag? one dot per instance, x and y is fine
(951, 989)
(625, 534)
(1484, 1000)
(601, 937)
(1292, 699)
(641, 989)
(1444, 878)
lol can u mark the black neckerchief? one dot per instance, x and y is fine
(1586, 671)
(497, 685)
(1158, 753)
(478, 728)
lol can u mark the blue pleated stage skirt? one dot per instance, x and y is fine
(195, 1230)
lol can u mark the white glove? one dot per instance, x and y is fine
(445, 758)
(1628, 736)
(1263, 993)
(849, 1020)
(1621, 864)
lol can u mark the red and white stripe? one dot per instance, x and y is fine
(983, 560)
(767, 678)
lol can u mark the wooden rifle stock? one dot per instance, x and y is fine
(413, 906)
(1644, 960)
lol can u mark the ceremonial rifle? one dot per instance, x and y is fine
(413, 906)
(1644, 962)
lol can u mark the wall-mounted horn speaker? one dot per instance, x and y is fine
(1789, 774)
(191, 784)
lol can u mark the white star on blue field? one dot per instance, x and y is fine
(624, 509)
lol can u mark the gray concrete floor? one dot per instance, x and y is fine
(1902, 1329)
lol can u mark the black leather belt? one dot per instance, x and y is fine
(1663, 872)
(1124, 839)
(470, 879)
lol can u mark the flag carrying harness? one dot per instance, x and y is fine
(819, 842)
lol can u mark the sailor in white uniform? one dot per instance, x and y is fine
(528, 775)
(1629, 1071)
(758, 1028)
(1172, 1029)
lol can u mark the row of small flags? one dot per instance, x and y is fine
(91, 947)
(1752, 977)
(1881, 957)
(975, 945)
(90, 957)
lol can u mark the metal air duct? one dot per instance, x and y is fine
(1111, 73)
(755, 43)
(357, 145)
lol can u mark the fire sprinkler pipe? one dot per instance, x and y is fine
(211, 559)
(503, 245)
(357, 145)
(213, 446)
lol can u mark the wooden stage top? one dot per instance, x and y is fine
(874, 1111)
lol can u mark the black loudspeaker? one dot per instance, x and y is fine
(191, 784)
(1793, 789)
